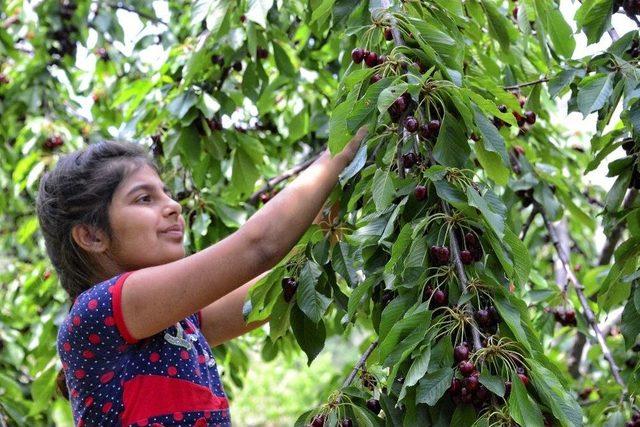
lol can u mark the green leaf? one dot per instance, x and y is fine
(520, 256)
(522, 407)
(491, 138)
(355, 299)
(560, 33)
(593, 92)
(511, 316)
(492, 164)
(417, 370)
(322, 11)
(560, 81)
(630, 324)
(311, 302)
(493, 383)
(258, 11)
(389, 95)
(244, 173)
(563, 405)
(339, 134)
(285, 59)
(498, 24)
(493, 218)
(594, 17)
(464, 415)
(382, 189)
(310, 335)
(181, 104)
(452, 147)
(433, 386)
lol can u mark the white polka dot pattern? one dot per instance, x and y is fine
(100, 363)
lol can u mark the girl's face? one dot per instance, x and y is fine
(140, 213)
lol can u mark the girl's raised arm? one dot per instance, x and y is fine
(155, 298)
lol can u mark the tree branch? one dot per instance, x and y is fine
(527, 225)
(397, 39)
(588, 313)
(121, 5)
(605, 258)
(533, 83)
(359, 365)
(253, 200)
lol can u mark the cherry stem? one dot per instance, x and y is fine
(253, 200)
(360, 364)
(562, 235)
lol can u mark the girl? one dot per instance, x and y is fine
(136, 344)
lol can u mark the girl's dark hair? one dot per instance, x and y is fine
(79, 191)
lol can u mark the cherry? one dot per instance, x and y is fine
(456, 385)
(426, 293)
(466, 257)
(502, 108)
(434, 127)
(439, 298)
(374, 406)
(265, 197)
(357, 55)
(289, 287)
(524, 379)
(482, 393)
(375, 78)
(474, 137)
(493, 313)
(388, 34)
(460, 353)
(530, 117)
(411, 124)
(243, 19)
(443, 254)
(381, 59)
(483, 317)
(368, 380)
(217, 59)
(628, 146)
(346, 422)
(318, 421)
(237, 66)
(420, 192)
(387, 296)
(471, 240)
(466, 368)
(515, 13)
(53, 142)
(400, 104)
(262, 53)
(408, 160)
(570, 317)
(507, 389)
(466, 397)
(214, 125)
(371, 59)
(471, 382)
(519, 150)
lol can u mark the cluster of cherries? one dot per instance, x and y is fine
(468, 389)
(564, 316)
(289, 288)
(487, 319)
(438, 298)
(371, 59)
(53, 142)
(473, 251)
(529, 117)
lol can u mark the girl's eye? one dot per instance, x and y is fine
(144, 197)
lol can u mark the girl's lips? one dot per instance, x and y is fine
(174, 233)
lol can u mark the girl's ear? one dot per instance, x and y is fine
(89, 238)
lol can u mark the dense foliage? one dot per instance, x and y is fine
(461, 238)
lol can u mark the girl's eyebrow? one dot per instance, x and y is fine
(147, 187)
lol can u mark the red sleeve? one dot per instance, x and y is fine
(199, 313)
(117, 309)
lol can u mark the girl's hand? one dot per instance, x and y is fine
(350, 150)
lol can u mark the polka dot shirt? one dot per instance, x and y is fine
(168, 379)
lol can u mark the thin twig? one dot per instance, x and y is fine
(253, 200)
(128, 8)
(360, 363)
(525, 227)
(588, 313)
(533, 83)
